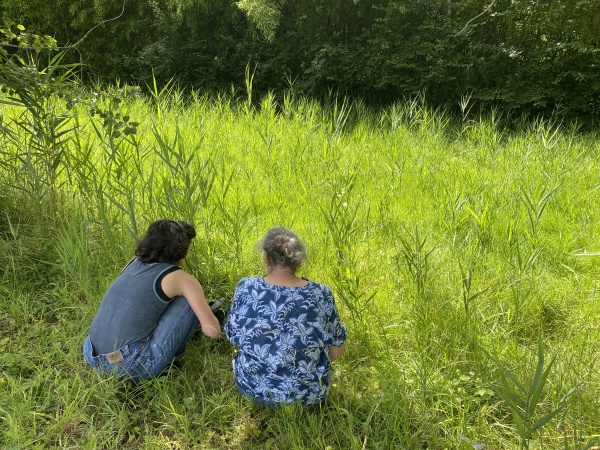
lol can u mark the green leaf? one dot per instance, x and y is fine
(504, 371)
(538, 383)
(9, 103)
(536, 386)
(511, 399)
(544, 420)
(592, 443)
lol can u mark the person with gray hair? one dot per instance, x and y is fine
(287, 329)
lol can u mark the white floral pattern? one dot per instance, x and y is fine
(283, 336)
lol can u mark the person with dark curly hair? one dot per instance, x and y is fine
(287, 329)
(151, 309)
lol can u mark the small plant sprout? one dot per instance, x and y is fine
(522, 400)
(535, 201)
(467, 281)
(416, 257)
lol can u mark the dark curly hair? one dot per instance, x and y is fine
(165, 241)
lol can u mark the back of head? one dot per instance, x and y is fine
(284, 248)
(165, 241)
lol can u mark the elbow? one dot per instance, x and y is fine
(336, 352)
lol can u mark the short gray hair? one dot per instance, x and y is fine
(284, 248)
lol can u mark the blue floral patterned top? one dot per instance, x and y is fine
(283, 336)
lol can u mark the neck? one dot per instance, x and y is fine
(277, 270)
(283, 276)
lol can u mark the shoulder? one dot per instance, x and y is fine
(321, 288)
(175, 276)
(248, 282)
(133, 261)
(177, 273)
(174, 272)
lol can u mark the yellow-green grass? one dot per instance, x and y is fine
(447, 244)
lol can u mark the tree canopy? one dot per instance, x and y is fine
(518, 55)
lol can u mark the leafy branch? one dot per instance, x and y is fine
(36, 42)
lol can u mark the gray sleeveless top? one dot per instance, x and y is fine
(131, 306)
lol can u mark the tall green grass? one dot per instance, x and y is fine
(451, 247)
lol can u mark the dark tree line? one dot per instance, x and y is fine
(518, 55)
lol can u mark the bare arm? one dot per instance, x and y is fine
(336, 352)
(182, 283)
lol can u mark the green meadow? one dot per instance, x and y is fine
(463, 253)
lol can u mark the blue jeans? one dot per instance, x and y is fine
(147, 358)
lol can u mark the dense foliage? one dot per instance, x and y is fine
(515, 54)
